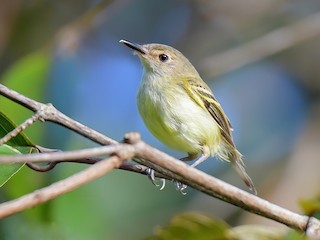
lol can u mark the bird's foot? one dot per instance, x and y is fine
(150, 174)
(180, 187)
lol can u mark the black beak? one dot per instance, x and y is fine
(134, 46)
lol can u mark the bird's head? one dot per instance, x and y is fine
(162, 59)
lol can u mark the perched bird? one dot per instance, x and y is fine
(179, 108)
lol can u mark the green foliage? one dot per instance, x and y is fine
(8, 170)
(26, 76)
(259, 232)
(197, 226)
(311, 207)
(17, 145)
(294, 235)
(6, 126)
(192, 226)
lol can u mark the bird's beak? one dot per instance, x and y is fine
(134, 46)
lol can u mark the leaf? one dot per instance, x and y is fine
(27, 76)
(257, 232)
(189, 226)
(294, 235)
(17, 145)
(7, 171)
(310, 206)
(6, 126)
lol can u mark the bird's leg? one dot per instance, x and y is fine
(150, 174)
(202, 158)
(178, 185)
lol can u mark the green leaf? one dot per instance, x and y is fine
(294, 235)
(310, 206)
(190, 226)
(17, 145)
(27, 76)
(257, 232)
(7, 171)
(6, 126)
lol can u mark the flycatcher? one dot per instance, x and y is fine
(179, 108)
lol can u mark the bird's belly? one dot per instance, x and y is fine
(179, 123)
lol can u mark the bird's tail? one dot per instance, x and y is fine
(238, 165)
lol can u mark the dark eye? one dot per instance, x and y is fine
(163, 57)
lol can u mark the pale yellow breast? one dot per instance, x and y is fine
(175, 119)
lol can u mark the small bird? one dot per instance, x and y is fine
(179, 109)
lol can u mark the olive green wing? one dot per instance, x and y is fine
(202, 95)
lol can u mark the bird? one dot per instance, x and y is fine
(180, 109)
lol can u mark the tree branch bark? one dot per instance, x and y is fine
(58, 188)
(147, 155)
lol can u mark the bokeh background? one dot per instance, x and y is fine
(261, 58)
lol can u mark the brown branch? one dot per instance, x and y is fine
(51, 114)
(20, 128)
(155, 159)
(58, 188)
(67, 155)
(188, 175)
(219, 189)
(126, 166)
(39, 168)
(85, 156)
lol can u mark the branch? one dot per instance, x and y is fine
(68, 155)
(221, 190)
(50, 113)
(127, 166)
(58, 188)
(265, 46)
(20, 128)
(186, 174)
(86, 156)
(151, 157)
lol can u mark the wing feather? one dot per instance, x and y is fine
(203, 96)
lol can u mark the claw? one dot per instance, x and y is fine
(180, 187)
(150, 174)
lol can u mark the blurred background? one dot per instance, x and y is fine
(261, 58)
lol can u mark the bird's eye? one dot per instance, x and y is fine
(163, 57)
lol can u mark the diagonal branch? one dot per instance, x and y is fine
(149, 156)
(184, 173)
(20, 128)
(58, 188)
(50, 113)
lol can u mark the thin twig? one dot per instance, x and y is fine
(85, 156)
(21, 127)
(68, 155)
(41, 168)
(50, 113)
